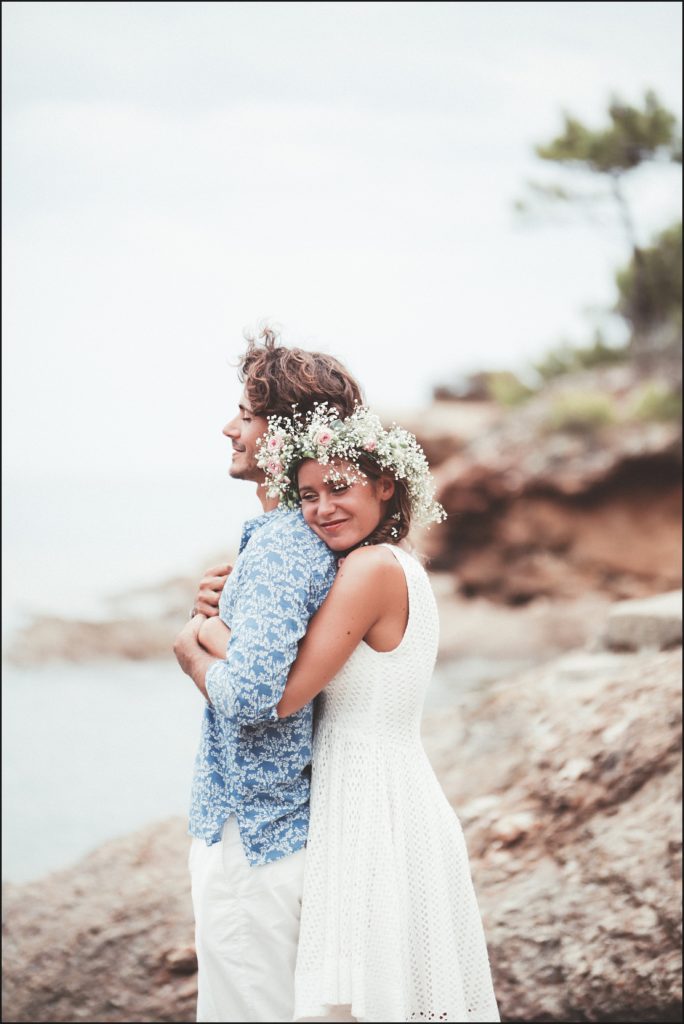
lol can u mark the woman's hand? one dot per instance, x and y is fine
(191, 656)
(211, 585)
(187, 643)
(214, 635)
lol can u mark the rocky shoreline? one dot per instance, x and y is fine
(468, 627)
(567, 780)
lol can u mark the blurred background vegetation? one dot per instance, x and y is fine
(648, 284)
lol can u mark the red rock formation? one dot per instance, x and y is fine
(557, 513)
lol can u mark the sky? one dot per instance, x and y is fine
(174, 172)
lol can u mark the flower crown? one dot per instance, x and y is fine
(323, 436)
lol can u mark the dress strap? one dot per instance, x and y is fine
(401, 556)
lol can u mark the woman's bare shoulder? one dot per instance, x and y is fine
(371, 563)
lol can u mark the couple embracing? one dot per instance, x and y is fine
(330, 877)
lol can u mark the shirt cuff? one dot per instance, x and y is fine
(212, 684)
(216, 690)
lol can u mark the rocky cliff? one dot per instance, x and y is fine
(577, 491)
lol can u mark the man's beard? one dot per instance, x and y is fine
(246, 469)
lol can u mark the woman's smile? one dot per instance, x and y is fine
(334, 525)
(341, 506)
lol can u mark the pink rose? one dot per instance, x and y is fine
(371, 445)
(274, 467)
(274, 443)
(324, 437)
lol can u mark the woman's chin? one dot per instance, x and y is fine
(341, 543)
(337, 545)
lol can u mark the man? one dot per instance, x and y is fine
(250, 799)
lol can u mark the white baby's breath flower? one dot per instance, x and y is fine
(323, 436)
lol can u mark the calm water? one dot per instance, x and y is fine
(89, 753)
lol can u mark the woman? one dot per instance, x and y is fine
(390, 928)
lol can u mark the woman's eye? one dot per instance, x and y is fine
(307, 497)
(340, 488)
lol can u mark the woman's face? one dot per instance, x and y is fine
(342, 514)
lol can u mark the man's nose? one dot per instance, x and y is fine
(232, 428)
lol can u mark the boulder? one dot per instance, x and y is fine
(652, 622)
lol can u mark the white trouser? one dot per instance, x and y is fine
(246, 930)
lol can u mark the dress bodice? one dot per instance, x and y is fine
(380, 694)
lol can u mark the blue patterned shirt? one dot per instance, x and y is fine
(250, 762)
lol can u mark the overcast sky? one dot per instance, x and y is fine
(175, 171)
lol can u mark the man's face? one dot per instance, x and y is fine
(243, 430)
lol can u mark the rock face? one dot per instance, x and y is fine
(557, 512)
(567, 782)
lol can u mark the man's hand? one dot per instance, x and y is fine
(211, 585)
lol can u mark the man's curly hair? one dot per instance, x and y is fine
(276, 378)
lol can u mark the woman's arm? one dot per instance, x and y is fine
(359, 597)
(214, 636)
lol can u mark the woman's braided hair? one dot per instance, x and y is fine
(397, 521)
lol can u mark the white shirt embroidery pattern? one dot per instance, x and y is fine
(249, 761)
(390, 924)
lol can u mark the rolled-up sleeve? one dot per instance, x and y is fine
(270, 617)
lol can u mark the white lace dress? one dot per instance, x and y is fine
(390, 927)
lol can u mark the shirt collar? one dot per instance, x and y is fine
(253, 524)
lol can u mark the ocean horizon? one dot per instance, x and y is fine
(70, 543)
